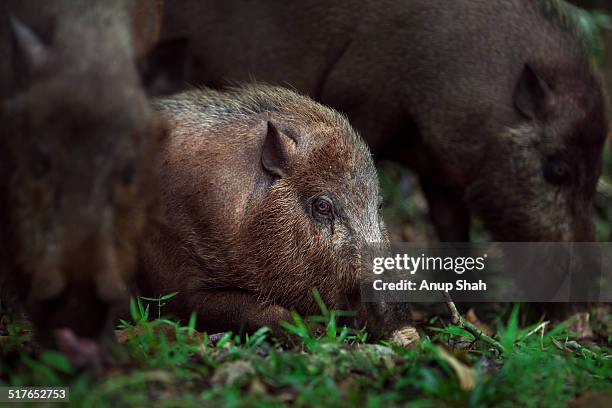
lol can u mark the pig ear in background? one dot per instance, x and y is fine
(163, 68)
(277, 148)
(31, 53)
(532, 95)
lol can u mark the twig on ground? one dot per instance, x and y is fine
(472, 328)
(540, 327)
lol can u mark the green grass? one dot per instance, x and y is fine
(163, 363)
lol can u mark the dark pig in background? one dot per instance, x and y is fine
(602, 10)
(265, 195)
(78, 146)
(494, 103)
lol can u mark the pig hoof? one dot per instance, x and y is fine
(407, 337)
(81, 353)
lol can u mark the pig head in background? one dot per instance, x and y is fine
(78, 143)
(266, 195)
(493, 103)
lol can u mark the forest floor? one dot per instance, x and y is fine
(161, 363)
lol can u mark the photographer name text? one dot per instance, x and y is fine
(407, 285)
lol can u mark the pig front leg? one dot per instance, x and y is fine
(449, 215)
(226, 309)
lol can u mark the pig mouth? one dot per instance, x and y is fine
(508, 222)
(351, 302)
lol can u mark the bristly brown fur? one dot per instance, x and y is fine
(242, 247)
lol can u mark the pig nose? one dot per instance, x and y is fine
(582, 227)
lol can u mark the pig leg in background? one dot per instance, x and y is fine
(450, 217)
(4, 320)
(608, 64)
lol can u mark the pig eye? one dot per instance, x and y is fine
(557, 171)
(322, 206)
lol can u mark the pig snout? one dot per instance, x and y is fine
(584, 230)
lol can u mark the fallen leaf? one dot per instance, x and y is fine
(465, 374)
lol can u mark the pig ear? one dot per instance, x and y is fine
(31, 53)
(277, 149)
(532, 96)
(163, 68)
